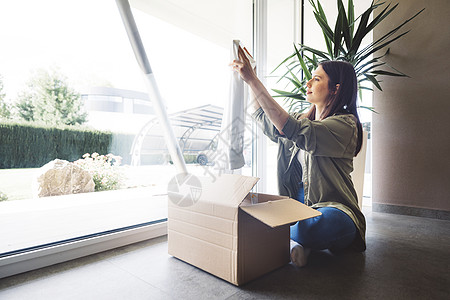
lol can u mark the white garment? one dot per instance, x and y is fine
(301, 157)
(231, 141)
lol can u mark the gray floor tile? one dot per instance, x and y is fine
(175, 277)
(406, 258)
(96, 280)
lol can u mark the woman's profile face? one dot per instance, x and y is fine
(317, 87)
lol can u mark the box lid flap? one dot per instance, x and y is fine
(280, 212)
(227, 189)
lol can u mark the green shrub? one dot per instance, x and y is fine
(104, 170)
(31, 145)
(3, 196)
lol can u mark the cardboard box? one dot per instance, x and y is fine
(227, 235)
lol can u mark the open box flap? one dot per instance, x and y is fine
(226, 189)
(280, 212)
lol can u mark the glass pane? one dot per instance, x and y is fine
(281, 34)
(194, 76)
(85, 43)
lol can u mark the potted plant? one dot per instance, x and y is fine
(342, 43)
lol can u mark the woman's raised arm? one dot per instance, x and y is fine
(277, 115)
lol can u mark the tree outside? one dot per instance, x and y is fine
(49, 98)
(5, 107)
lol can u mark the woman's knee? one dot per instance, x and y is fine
(332, 228)
(307, 232)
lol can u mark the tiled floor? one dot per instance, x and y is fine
(406, 258)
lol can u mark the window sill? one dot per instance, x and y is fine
(33, 231)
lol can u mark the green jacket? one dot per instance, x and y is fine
(329, 146)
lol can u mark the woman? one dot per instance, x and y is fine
(315, 155)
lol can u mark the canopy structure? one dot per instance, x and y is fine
(195, 130)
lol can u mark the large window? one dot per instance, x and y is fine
(188, 45)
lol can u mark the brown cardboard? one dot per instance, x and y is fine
(226, 235)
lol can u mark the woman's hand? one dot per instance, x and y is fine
(244, 67)
(261, 97)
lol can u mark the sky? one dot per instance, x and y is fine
(87, 42)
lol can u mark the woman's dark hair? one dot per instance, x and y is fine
(342, 100)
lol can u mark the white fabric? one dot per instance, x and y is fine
(231, 142)
(301, 157)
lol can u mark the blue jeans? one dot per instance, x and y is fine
(332, 230)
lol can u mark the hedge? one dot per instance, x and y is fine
(29, 145)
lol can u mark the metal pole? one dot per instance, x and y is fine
(155, 96)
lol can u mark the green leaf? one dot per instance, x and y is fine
(382, 72)
(363, 79)
(313, 4)
(296, 83)
(372, 109)
(361, 31)
(328, 39)
(288, 94)
(345, 26)
(372, 66)
(302, 63)
(295, 80)
(375, 49)
(290, 66)
(351, 18)
(365, 88)
(381, 16)
(373, 80)
(321, 11)
(283, 62)
(316, 52)
(329, 43)
(313, 62)
(393, 31)
(338, 32)
(373, 60)
(328, 33)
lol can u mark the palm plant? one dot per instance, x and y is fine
(343, 43)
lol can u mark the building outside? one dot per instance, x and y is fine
(138, 136)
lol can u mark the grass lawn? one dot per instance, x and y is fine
(17, 183)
